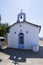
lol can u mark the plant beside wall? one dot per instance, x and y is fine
(4, 29)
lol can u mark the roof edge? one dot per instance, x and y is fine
(28, 23)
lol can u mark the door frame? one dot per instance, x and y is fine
(20, 45)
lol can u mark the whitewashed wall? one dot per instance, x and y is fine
(30, 38)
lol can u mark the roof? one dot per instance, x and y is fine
(28, 23)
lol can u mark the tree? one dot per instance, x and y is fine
(4, 29)
(0, 18)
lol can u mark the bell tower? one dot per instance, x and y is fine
(21, 17)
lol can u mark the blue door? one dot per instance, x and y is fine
(21, 41)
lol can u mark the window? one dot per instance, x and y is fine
(20, 25)
(26, 31)
(15, 32)
(21, 39)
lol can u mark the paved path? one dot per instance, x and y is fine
(21, 57)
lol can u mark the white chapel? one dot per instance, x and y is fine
(23, 34)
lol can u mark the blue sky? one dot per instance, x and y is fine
(9, 10)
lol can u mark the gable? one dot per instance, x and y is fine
(34, 25)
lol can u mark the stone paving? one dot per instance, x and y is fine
(21, 57)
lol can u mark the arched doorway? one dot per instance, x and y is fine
(21, 41)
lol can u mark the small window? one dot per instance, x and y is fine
(15, 32)
(20, 25)
(21, 39)
(26, 31)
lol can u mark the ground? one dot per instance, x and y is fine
(21, 57)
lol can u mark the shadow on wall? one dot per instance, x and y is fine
(17, 55)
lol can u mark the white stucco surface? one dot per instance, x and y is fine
(30, 38)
